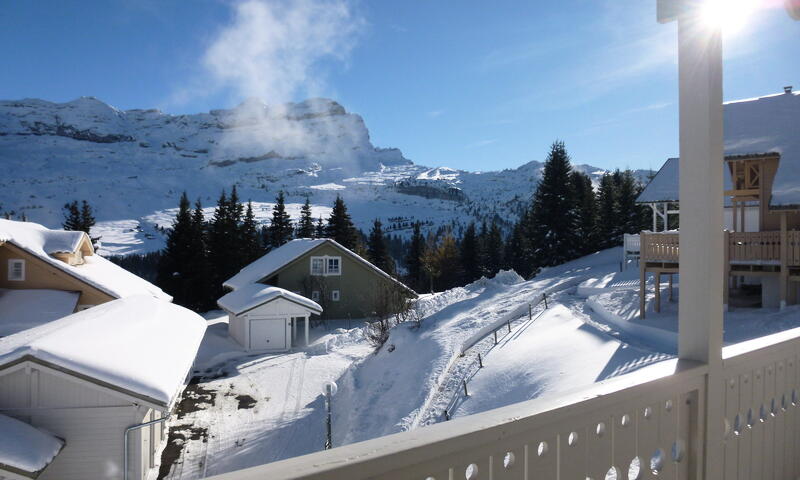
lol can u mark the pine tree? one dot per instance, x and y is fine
(519, 255)
(177, 256)
(554, 224)
(87, 217)
(72, 216)
(586, 211)
(305, 227)
(607, 212)
(495, 250)
(413, 259)
(280, 228)
(482, 257)
(469, 251)
(629, 213)
(224, 240)
(340, 226)
(377, 251)
(319, 230)
(251, 239)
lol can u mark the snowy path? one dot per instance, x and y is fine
(266, 408)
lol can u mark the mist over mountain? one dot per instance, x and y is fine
(132, 166)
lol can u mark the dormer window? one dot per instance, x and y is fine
(324, 266)
(16, 270)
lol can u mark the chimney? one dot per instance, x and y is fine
(787, 90)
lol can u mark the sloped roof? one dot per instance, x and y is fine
(256, 294)
(758, 126)
(140, 345)
(276, 259)
(95, 271)
(24, 309)
(24, 449)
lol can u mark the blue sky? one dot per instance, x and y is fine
(457, 83)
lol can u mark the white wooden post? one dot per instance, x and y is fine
(700, 316)
(306, 318)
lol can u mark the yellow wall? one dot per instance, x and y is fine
(40, 274)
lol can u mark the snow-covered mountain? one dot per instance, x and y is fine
(132, 166)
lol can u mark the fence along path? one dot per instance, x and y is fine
(465, 357)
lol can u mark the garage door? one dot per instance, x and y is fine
(268, 334)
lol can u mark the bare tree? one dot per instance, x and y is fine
(391, 304)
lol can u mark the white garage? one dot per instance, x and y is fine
(266, 318)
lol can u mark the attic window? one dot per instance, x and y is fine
(16, 270)
(324, 266)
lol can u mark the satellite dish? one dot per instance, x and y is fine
(332, 386)
(793, 8)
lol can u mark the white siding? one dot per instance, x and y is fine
(91, 419)
(236, 328)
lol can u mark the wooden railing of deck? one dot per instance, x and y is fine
(744, 247)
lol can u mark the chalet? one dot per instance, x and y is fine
(47, 274)
(342, 283)
(85, 396)
(762, 203)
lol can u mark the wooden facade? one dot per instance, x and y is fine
(771, 252)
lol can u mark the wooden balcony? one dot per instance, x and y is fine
(743, 248)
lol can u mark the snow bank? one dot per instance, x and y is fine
(24, 309)
(140, 344)
(620, 311)
(251, 296)
(96, 271)
(24, 447)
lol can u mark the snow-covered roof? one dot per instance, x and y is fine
(254, 295)
(95, 271)
(272, 261)
(24, 309)
(663, 187)
(757, 126)
(25, 449)
(276, 259)
(140, 345)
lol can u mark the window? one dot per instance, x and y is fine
(317, 266)
(323, 266)
(315, 295)
(16, 270)
(335, 295)
(333, 265)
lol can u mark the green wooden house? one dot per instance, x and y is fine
(344, 284)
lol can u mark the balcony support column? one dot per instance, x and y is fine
(700, 317)
(784, 280)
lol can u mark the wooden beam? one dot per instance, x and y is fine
(784, 282)
(642, 288)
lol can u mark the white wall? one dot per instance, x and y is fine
(91, 419)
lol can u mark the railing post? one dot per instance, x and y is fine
(700, 316)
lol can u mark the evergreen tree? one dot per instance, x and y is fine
(251, 239)
(198, 268)
(280, 228)
(413, 259)
(607, 212)
(470, 252)
(340, 226)
(87, 217)
(305, 227)
(177, 256)
(377, 251)
(319, 230)
(495, 250)
(554, 223)
(519, 254)
(629, 213)
(224, 240)
(72, 216)
(586, 211)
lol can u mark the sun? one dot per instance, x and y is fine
(728, 15)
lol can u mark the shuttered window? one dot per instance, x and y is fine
(16, 270)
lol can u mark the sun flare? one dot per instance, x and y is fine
(728, 15)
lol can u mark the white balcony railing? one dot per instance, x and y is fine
(648, 422)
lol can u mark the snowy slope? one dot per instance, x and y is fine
(132, 166)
